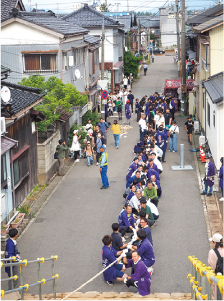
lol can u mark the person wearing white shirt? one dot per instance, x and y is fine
(120, 94)
(125, 82)
(135, 203)
(154, 210)
(157, 162)
(156, 150)
(143, 126)
(174, 130)
(125, 96)
(161, 120)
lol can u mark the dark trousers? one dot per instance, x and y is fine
(138, 116)
(145, 71)
(159, 192)
(131, 282)
(124, 229)
(98, 157)
(150, 222)
(76, 153)
(106, 118)
(164, 153)
(155, 216)
(134, 211)
(155, 201)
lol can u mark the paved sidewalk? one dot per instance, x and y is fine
(78, 213)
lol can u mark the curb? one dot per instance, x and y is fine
(46, 201)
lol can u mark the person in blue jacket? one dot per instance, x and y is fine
(132, 168)
(221, 179)
(161, 138)
(126, 221)
(10, 251)
(130, 180)
(144, 249)
(115, 272)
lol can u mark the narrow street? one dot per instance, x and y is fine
(79, 214)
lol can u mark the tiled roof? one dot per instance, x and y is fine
(7, 6)
(126, 20)
(21, 96)
(6, 144)
(50, 21)
(206, 25)
(87, 16)
(214, 87)
(91, 39)
(206, 15)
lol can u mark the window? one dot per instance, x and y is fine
(96, 57)
(208, 114)
(78, 56)
(214, 119)
(16, 171)
(65, 63)
(3, 169)
(39, 62)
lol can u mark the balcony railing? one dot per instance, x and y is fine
(205, 65)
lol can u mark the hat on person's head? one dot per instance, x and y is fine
(189, 117)
(103, 146)
(75, 131)
(153, 153)
(127, 101)
(217, 237)
(207, 157)
(142, 200)
(88, 142)
(150, 160)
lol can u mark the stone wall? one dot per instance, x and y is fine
(47, 165)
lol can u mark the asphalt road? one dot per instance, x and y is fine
(79, 214)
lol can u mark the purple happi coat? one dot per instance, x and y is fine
(221, 177)
(211, 173)
(127, 111)
(141, 275)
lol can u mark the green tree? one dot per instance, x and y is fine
(131, 64)
(95, 118)
(104, 8)
(59, 97)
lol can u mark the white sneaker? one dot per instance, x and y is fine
(150, 270)
(97, 164)
(77, 160)
(123, 239)
(174, 152)
(222, 199)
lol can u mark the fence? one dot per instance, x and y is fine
(21, 264)
(201, 280)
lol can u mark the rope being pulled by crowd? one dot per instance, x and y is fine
(84, 284)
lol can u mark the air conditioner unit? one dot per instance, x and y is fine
(196, 126)
(3, 127)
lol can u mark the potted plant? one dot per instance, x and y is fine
(18, 220)
(4, 229)
(25, 209)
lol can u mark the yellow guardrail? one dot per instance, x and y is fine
(10, 262)
(201, 280)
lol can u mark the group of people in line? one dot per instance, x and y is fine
(143, 192)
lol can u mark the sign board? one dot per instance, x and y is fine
(102, 83)
(104, 94)
(137, 54)
(148, 48)
(184, 88)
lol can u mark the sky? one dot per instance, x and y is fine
(66, 6)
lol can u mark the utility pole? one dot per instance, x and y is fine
(102, 51)
(183, 64)
(177, 25)
(138, 36)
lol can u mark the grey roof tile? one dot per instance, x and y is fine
(21, 96)
(214, 87)
(50, 21)
(86, 16)
(206, 25)
(206, 15)
(91, 39)
(126, 20)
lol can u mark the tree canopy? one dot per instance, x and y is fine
(131, 64)
(59, 97)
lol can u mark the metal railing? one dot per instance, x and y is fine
(201, 280)
(22, 264)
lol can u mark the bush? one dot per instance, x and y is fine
(95, 118)
(82, 132)
(24, 209)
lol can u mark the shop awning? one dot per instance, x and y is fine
(176, 83)
(7, 144)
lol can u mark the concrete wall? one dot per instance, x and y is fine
(47, 165)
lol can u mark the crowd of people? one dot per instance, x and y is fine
(131, 241)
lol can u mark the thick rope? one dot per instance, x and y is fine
(84, 284)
